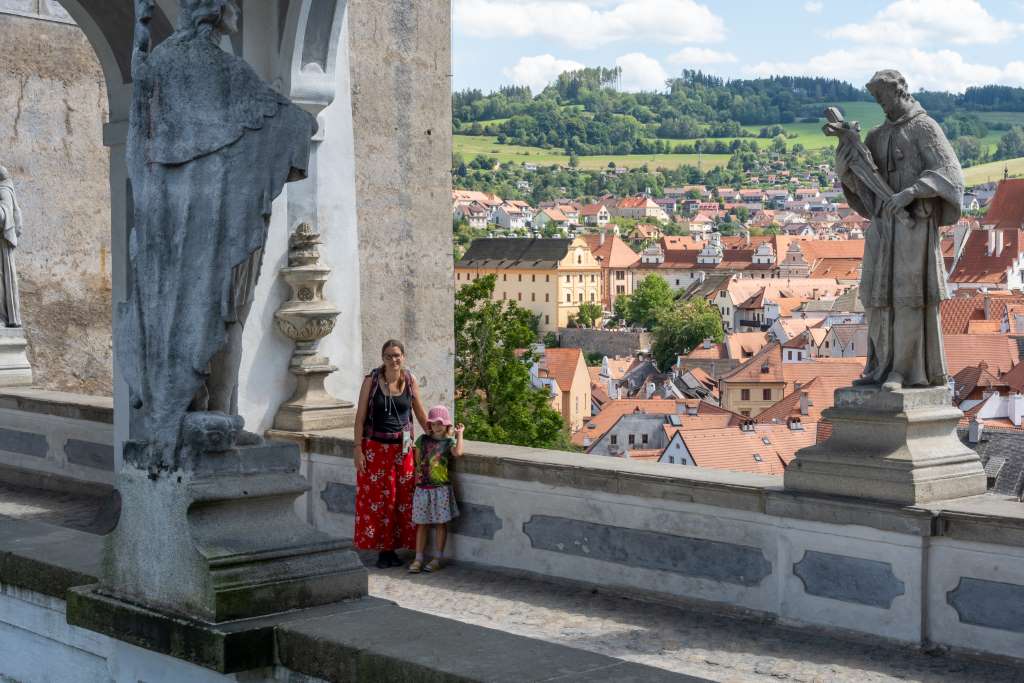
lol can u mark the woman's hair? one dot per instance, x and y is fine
(384, 349)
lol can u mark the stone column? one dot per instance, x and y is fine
(893, 446)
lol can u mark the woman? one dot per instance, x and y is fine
(385, 479)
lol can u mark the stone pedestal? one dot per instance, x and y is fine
(211, 532)
(15, 370)
(898, 447)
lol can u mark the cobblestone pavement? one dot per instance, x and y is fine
(63, 509)
(666, 636)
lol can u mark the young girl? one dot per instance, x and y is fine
(433, 503)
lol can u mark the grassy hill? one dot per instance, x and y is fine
(471, 145)
(983, 173)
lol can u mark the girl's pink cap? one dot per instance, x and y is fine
(440, 414)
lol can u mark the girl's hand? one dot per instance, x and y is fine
(459, 428)
(359, 460)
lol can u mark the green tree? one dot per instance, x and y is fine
(682, 327)
(1011, 145)
(589, 315)
(621, 308)
(650, 298)
(493, 394)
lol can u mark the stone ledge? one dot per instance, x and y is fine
(47, 559)
(59, 404)
(984, 519)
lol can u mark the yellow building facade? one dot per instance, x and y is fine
(548, 277)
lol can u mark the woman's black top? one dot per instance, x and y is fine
(390, 414)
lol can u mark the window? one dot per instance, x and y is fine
(767, 394)
(632, 439)
(504, 277)
(592, 295)
(592, 278)
(643, 439)
(458, 276)
(581, 297)
(568, 278)
(615, 439)
(672, 460)
(619, 289)
(520, 277)
(547, 298)
(534, 278)
(745, 413)
(677, 282)
(533, 296)
(789, 355)
(579, 259)
(504, 295)
(744, 394)
(547, 278)
(547, 320)
(519, 296)
(568, 297)
(581, 277)
(620, 275)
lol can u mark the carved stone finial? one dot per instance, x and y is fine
(306, 318)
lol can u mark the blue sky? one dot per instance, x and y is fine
(937, 44)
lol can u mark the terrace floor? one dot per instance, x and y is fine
(668, 636)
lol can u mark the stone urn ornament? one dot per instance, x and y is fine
(306, 318)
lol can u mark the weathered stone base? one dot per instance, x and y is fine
(217, 538)
(15, 370)
(304, 417)
(898, 447)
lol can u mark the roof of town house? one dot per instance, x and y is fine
(681, 243)
(592, 209)
(741, 289)
(751, 193)
(768, 366)
(966, 350)
(709, 420)
(984, 326)
(1015, 378)
(820, 393)
(832, 249)
(708, 351)
(1001, 424)
(838, 268)
(702, 217)
(958, 312)
(635, 203)
(555, 215)
(765, 449)
(561, 364)
(511, 209)
(792, 327)
(614, 409)
(972, 377)
(732, 260)
(618, 366)
(614, 253)
(646, 454)
(519, 252)
(742, 345)
(977, 265)
(646, 230)
(703, 377)
(847, 332)
(485, 198)
(1007, 206)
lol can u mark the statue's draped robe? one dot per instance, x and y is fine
(903, 278)
(210, 147)
(10, 230)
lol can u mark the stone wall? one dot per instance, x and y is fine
(605, 342)
(401, 108)
(53, 103)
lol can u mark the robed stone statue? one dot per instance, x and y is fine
(210, 146)
(907, 180)
(10, 231)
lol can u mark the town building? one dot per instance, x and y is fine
(564, 373)
(617, 260)
(638, 208)
(548, 277)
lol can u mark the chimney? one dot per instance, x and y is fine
(602, 238)
(988, 307)
(975, 430)
(999, 242)
(707, 343)
(1015, 405)
(805, 403)
(992, 241)
(586, 442)
(651, 388)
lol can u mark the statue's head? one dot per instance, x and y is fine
(4, 173)
(890, 89)
(212, 15)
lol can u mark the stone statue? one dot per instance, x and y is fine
(10, 231)
(906, 178)
(210, 145)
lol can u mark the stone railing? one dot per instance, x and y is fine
(950, 573)
(50, 439)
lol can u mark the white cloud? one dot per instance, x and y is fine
(537, 72)
(938, 70)
(640, 72)
(583, 24)
(919, 22)
(696, 56)
(814, 7)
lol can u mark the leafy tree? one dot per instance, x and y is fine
(621, 308)
(651, 297)
(550, 340)
(1011, 145)
(493, 394)
(589, 314)
(682, 327)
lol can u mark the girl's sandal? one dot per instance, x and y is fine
(433, 566)
(416, 567)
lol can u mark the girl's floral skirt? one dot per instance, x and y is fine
(434, 505)
(383, 519)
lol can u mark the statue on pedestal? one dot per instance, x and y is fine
(10, 231)
(907, 180)
(210, 146)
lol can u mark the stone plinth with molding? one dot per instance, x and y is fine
(892, 446)
(15, 370)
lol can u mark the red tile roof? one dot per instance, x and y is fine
(966, 350)
(562, 365)
(958, 312)
(767, 366)
(614, 253)
(1007, 207)
(975, 265)
(734, 449)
